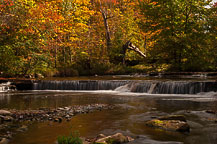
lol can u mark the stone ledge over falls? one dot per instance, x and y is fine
(137, 86)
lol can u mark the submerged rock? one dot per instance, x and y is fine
(170, 123)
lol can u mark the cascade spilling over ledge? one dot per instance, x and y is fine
(152, 87)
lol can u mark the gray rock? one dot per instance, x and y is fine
(61, 109)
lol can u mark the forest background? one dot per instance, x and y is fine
(87, 37)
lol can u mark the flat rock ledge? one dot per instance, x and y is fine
(175, 123)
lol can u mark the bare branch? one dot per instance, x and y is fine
(134, 48)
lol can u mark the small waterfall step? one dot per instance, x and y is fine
(152, 88)
(78, 85)
(139, 86)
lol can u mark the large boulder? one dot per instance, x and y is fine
(170, 123)
(117, 138)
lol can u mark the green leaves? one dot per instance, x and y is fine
(183, 24)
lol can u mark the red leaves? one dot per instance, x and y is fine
(7, 3)
(215, 4)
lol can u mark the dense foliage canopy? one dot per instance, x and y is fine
(86, 37)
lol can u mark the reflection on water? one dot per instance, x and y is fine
(35, 100)
(129, 117)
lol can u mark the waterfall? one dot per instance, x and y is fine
(139, 86)
(152, 88)
(78, 85)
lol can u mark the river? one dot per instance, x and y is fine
(133, 107)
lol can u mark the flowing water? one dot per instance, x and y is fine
(136, 102)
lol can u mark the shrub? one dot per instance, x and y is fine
(71, 139)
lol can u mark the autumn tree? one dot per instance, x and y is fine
(20, 53)
(181, 29)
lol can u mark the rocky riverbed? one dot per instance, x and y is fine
(13, 121)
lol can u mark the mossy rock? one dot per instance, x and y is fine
(169, 125)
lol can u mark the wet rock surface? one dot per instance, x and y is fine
(170, 123)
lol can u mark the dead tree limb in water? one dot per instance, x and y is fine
(130, 46)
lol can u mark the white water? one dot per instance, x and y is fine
(200, 96)
(151, 87)
(4, 87)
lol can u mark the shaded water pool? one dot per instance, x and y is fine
(128, 117)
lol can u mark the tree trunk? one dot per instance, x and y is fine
(107, 31)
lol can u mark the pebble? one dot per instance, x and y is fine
(42, 114)
(58, 120)
(61, 109)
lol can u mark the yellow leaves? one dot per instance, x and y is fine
(73, 39)
(43, 21)
(184, 60)
(82, 25)
(82, 2)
